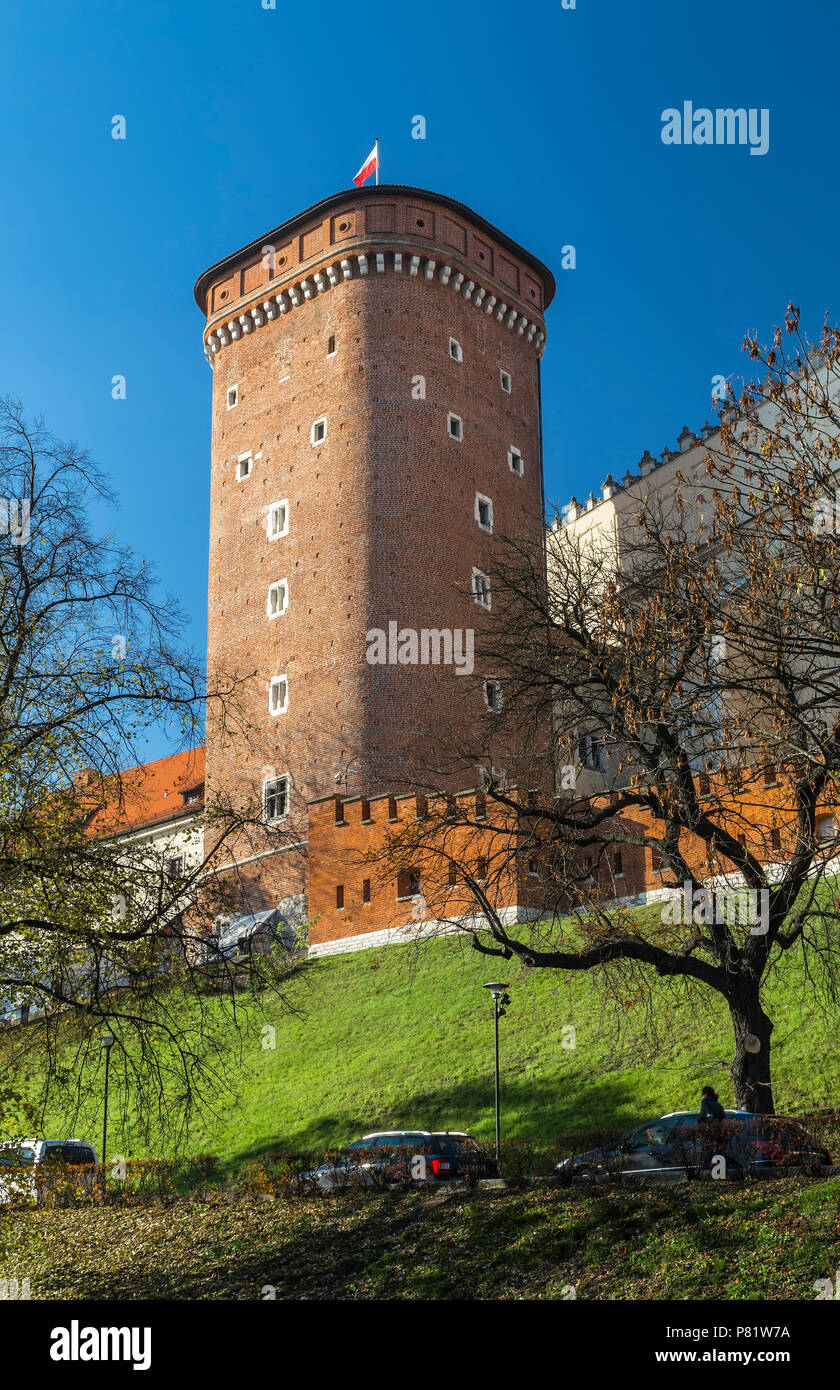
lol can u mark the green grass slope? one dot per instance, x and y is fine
(403, 1036)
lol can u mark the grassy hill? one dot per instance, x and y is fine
(404, 1036)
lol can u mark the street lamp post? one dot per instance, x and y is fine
(500, 998)
(107, 1041)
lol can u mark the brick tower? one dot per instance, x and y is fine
(375, 422)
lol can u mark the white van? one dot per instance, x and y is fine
(25, 1165)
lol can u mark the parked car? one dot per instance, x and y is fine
(403, 1155)
(27, 1166)
(676, 1143)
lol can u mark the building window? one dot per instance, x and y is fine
(365, 810)
(456, 352)
(515, 462)
(193, 795)
(339, 895)
(331, 345)
(826, 827)
(244, 465)
(453, 874)
(484, 512)
(505, 381)
(318, 433)
(277, 521)
(392, 808)
(481, 869)
(408, 883)
(276, 798)
(480, 806)
(232, 397)
(278, 695)
(365, 890)
(481, 588)
(421, 806)
(455, 426)
(533, 868)
(278, 598)
(617, 866)
(175, 866)
(775, 840)
(493, 695)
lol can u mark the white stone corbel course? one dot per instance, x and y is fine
(321, 280)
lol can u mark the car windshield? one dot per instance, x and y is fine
(450, 1144)
(18, 1156)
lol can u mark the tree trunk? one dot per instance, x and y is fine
(750, 1070)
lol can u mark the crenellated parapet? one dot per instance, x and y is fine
(366, 234)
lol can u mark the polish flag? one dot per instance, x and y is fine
(370, 166)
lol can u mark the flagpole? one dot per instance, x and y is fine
(377, 159)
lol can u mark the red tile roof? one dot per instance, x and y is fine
(150, 793)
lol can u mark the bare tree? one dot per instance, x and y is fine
(95, 935)
(689, 654)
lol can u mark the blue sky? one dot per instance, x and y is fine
(546, 121)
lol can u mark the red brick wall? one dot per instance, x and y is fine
(382, 520)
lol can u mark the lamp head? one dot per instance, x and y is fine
(496, 989)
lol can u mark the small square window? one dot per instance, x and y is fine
(456, 352)
(276, 798)
(318, 432)
(232, 397)
(244, 464)
(455, 426)
(515, 461)
(278, 598)
(505, 381)
(484, 512)
(278, 695)
(493, 694)
(331, 345)
(481, 588)
(277, 521)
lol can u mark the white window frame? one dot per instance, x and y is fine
(503, 375)
(479, 574)
(275, 820)
(460, 435)
(232, 391)
(322, 420)
(488, 501)
(276, 535)
(514, 453)
(247, 457)
(279, 584)
(492, 680)
(275, 681)
(458, 354)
